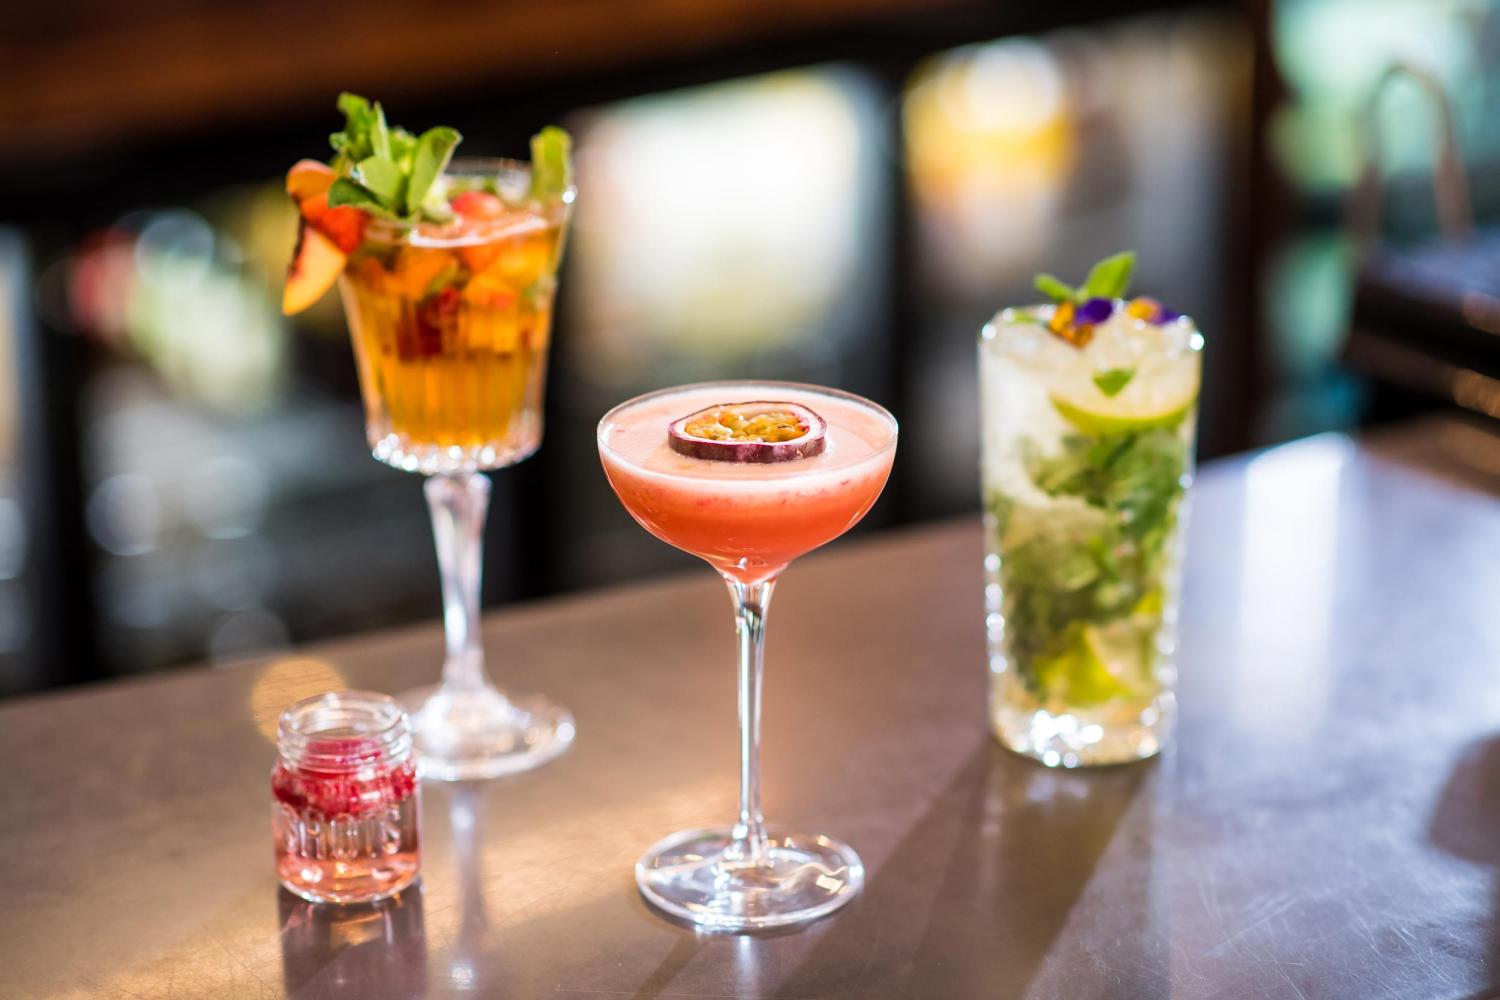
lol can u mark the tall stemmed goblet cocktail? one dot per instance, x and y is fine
(450, 311)
(748, 476)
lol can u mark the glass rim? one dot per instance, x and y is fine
(372, 728)
(1010, 316)
(395, 232)
(809, 387)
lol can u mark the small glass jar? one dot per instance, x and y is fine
(347, 807)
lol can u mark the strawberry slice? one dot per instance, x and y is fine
(477, 206)
(344, 224)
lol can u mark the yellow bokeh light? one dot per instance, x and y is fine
(288, 680)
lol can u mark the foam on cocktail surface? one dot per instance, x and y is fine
(636, 437)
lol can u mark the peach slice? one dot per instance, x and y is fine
(316, 265)
(308, 179)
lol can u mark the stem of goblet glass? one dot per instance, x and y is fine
(458, 503)
(750, 603)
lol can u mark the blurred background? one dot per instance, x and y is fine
(839, 191)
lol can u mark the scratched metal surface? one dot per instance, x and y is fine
(1328, 825)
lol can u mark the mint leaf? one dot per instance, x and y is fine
(403, 149)
(1110, 382)
(435, 207)
(551, 163)
(1055, 289)
(380, 135)
(353, 143)
(434, 150)
(1101, 566)
(1110, 278)
(354, 107)
(382, 178)
(346, 192)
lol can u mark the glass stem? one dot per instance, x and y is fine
(458, 503)
(750, 603)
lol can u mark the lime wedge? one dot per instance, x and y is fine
(1081, 675)
(1149, 400)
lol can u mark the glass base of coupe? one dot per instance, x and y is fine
(1089, 407)
(747, 476)
(447, 270)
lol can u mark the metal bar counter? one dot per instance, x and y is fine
(1327, 824)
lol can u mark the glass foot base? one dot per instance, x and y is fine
(808, 876)
(465, 736)
(1087, 739)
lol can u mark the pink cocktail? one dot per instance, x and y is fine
(747, 519)
(747, 476)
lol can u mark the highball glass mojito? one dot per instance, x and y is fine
(1089, 407)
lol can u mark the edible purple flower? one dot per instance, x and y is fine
(1095, 311)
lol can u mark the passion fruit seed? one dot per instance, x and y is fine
(759, 431)
(727, 425)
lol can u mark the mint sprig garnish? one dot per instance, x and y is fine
(391, 173)
(551, 163)
(1108, 279)
(1055, 289)
(431, 157)
(388, 171)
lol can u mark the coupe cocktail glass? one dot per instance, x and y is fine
(748, 520)
(450, 327)
(1087, 457)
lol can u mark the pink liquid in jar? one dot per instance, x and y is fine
(346, 809)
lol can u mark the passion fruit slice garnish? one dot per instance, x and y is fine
(757, 431)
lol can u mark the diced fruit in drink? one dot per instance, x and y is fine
(420, 335)
(440, 308)
(537, 332)
(524, 259)
(757, 431)
(374, 275)
(480, 256)
(488, 291)
(418, 270)
(316, 265)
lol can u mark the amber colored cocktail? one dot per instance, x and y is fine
(447, 268)
(748, 516)
(450, 324)
(450, 330)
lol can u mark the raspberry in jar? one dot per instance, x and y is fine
(346, 809)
